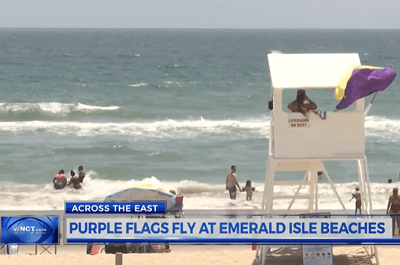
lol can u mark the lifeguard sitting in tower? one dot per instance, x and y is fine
(298, 105)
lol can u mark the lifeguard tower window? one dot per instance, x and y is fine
(323, 97)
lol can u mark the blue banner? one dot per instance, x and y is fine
(29, 230)
(115, 207)
(227, 230)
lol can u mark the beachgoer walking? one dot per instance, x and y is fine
(231, 183)
(249, 190)
(394, 207)
(357, 196)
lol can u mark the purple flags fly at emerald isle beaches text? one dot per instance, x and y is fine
(361, 82)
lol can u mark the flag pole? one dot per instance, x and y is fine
(370, 104)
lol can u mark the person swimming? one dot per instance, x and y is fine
(74, 180)
(59, 180)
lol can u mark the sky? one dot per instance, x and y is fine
(257, 14)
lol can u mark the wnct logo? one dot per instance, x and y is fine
(24, 229)
(29, 230)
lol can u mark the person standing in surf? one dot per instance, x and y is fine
(394, 207)
(231, 183)
(357, 196)
(82, 174)
(249, 190)
(74, 181)
(59, 180)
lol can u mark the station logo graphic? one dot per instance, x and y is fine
(29, 230)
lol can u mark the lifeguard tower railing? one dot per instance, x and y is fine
(301, 144)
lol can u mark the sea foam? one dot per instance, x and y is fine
(383, 129)
(197, 195)
(55, 108)
(154, 129)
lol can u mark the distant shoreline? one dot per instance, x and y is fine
(202, 29)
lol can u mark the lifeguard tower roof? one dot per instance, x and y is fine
(310, 70)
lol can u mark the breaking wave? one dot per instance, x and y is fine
(53, 108)
(384, 129)
(157, 129)
(197, 195)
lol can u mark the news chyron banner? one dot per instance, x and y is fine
(30, 230)
(228, 230)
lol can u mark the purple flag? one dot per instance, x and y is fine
(364, 82)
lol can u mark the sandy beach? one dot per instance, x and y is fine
(196, 255)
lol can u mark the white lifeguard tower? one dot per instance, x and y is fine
(299, 143)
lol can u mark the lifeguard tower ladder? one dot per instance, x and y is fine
(302, 144)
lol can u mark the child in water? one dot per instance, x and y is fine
(357, 196)
(249, 190)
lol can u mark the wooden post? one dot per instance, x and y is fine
(118, 258)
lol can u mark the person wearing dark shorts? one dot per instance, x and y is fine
(231, 183)
(357, 196)
(232, 192)
(59, 180)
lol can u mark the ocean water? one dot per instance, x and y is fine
(175, 108)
